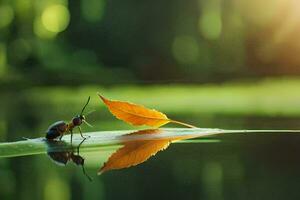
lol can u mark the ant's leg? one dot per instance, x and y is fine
(83, 170)
(61, 134)
(81, 133)
(71, 131)
(80, 145)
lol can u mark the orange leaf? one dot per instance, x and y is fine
(135, 152)
(137, 114)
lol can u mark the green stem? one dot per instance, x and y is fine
(182, 123)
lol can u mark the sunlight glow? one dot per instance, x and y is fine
(56, 18)
(210, 25)
(41, 31)
(210, 21)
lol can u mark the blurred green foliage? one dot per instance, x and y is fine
(111, 42)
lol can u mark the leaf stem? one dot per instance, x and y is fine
(182, 123)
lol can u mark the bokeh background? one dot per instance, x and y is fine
(213, 63)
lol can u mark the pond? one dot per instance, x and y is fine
(219, 165)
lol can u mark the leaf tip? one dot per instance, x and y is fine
(99, 172)
(101, 97)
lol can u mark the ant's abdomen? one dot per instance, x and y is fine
(57, 129)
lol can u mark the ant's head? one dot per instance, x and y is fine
(77, 121)
(77, 159)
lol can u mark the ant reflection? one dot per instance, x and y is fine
(65, 154)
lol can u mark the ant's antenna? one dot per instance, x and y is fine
(85, 105)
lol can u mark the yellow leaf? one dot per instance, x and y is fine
(137, 114)
(135, 152)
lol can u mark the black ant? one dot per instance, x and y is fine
(63, 157)
(58, 129)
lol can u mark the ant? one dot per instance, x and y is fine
(58, 129)
(63, 157)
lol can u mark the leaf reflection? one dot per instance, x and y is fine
(138, 151)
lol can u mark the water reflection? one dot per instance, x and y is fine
(63, 157)
(239, 165)
(136, 148)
